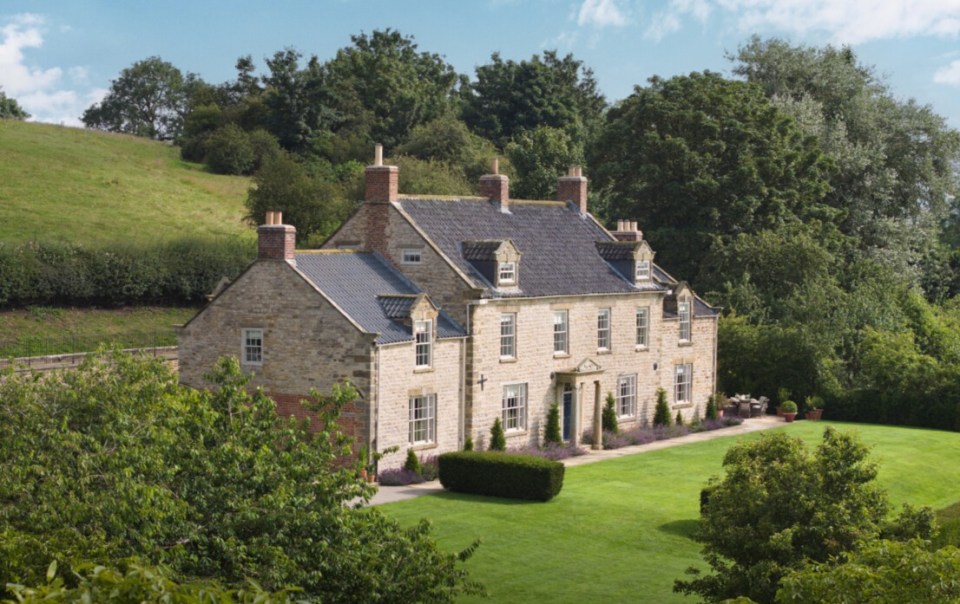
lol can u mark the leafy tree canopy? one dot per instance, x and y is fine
(10, 109)
(779, 506)
(509, 98)
(703, 159)
(116, 461)
(148, 99)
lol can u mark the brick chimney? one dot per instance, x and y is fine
(496, 186)
(381, 182)
(627, 231)
(275, 240)
(573, 188)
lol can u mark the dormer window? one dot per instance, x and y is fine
(643, 270)
(507, 275)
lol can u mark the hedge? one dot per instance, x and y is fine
(501, 475)
(67, 274)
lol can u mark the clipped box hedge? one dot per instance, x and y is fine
(501, 475)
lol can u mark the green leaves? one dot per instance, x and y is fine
(115, 461)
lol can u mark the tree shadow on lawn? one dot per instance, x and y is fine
(681, 528)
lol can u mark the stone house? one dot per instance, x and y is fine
(447, 313)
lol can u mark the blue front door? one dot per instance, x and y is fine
(567, 412)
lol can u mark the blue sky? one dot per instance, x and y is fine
(58, 57)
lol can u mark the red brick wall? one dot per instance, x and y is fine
(276, 242)
(381, 183)
(573, 188)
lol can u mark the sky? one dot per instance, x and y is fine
(57, 57)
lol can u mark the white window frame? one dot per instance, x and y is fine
(251, 346)
(508, 335)
(514, 407)
(411, 255)
(507, 273)
(423, 419)
(642, 270)
(561, 332)
(627, 395)
(423, 343)
(683, 383)
(683, 312)
(643, 327)
(604, 331)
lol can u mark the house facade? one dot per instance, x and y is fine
(447, 313)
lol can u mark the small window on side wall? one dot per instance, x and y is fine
(411, 256)
(252, 353)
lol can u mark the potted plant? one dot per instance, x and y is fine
(789, 410)
(814, 407)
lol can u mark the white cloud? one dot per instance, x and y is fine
(38, 90)
(839, 21)
(601, 13)
(948, 75)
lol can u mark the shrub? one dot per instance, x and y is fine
(229, 151)
(498, 440)
(429, 470)
(788, 407)
(501, 475)
(555, 452)
(553, 435)
(468, 444)
(609, 417)
(412, 463)
(712, 407)
(661, 416)
(679, 418)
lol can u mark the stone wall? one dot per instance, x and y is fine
(399, 380)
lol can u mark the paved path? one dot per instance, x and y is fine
(392, 494)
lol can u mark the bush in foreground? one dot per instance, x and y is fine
(212, 485)
(501, 475)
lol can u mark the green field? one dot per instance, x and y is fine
(620, 531)
(93, 188)
(42, 331)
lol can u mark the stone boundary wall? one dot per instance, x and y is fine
(55, 362)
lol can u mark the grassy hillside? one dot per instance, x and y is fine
(93, 188)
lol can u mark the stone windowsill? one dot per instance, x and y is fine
(561, 355)
(684, 343)
(604, 351)
(508, 359)
(641, 348)
(424, 446)
(423, 370)
(685, 405)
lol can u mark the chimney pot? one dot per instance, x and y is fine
(495, 165)
(378, 154)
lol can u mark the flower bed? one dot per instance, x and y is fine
(646, 435)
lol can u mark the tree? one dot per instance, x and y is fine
(383, 82)
(779, 506)
(552, 435)
(704, 159)
(539, 156)
(10, 109)
(498, 440)
(313, 204)
(148, 99)
(608, 416)
(509, 98)
(229, 151)
(881, 572)
(661, 414)
(212, 485)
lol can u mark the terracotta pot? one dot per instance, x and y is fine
(789, 416)
(814, 414)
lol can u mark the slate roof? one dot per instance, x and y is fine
(480, 250)
(615, 250)
(558, 245)
(369, 291)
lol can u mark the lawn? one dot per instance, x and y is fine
(40, 331)
(620, 531)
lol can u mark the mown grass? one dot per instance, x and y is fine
(620, 531)
(93, 188)
(43, 331)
